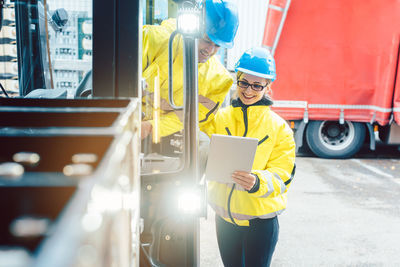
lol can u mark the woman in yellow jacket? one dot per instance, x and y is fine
(246, 210)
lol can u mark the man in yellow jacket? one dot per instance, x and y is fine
(214, 80)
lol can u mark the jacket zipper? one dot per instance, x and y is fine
(245, 120)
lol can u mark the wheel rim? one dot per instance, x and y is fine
(335, 136)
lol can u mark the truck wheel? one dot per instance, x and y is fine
(330, 139)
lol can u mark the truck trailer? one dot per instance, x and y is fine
(338, 71)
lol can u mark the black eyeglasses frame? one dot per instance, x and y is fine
(255, 87)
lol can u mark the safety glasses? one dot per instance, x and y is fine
(254, 86)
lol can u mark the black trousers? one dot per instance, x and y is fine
(250, 246)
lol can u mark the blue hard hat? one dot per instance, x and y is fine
(257, 61)
(222, 22)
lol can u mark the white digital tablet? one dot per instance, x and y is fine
(228, 154)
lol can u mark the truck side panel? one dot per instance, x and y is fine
(396, 97)
(339, 56)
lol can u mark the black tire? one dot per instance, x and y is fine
(330, 139)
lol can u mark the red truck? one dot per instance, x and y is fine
(338, 71)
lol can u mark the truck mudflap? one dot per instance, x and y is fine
(396, 95)
(394, 134)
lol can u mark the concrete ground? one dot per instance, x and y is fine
(340, 213)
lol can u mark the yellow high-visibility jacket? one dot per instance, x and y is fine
(274, 163)
(214, 80)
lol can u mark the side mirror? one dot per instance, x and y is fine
(59, 19)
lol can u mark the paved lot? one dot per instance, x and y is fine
(340, 213)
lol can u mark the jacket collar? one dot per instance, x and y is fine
(262, 102)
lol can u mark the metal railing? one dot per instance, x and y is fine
(81, 198)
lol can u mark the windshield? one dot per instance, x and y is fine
(54, 38)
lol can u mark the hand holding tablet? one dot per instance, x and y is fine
(229, 154)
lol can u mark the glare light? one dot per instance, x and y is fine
(77, 169)
(27, 226)
(26, 157)
(104, 199)
(189, 22)
(84, 158)
(11, 170)
(92, 221)
(189, 202)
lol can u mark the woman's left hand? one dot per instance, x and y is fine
(245, 179)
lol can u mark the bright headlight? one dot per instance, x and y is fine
(189, 202)
(189, 22)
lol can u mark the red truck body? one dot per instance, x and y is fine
(340, 57)
(396, 98)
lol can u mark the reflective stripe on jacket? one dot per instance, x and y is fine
(274, 162)
(213, 79)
